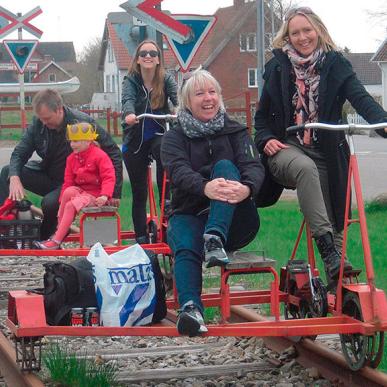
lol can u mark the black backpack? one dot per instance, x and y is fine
(71, 285)
(161, 307)
(67, 286)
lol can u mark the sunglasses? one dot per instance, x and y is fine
(299, 10)
(152, 53)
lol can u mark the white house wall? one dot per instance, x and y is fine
(383, 66)
(374, 90)
(111, 78)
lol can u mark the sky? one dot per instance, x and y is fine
(80, 21)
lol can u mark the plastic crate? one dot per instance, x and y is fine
(19, 234)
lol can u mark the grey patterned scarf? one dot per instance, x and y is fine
(194, 128)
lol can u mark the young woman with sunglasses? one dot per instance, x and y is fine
(308, 80)
(146, 89)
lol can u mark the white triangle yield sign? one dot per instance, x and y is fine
(20, 52)
(200, 26)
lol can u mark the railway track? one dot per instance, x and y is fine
(167, 361)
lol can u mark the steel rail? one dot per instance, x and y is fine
(9, 369)
(330, 364)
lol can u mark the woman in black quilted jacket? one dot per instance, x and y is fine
(146, 89)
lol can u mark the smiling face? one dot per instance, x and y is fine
(302, 35)
(148, 61)
(204, 102)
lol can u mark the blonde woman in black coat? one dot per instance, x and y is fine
(308, 80)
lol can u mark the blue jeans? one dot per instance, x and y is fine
(237, 223)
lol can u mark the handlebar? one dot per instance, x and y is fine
(347, 128)
(157, 116)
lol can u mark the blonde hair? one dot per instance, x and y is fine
(157, 96)
(199, 78)
(324, 39)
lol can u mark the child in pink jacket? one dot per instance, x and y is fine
(89, 180)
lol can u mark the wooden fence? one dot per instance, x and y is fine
(111, 120)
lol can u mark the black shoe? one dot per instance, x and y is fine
(214, 254)
(190, 320)
(331, 257)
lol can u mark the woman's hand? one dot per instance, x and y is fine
(273, 146)
(226, 190)
(239, 192)
(131, 119)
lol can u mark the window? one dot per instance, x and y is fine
(107, 83)
(252, 80)
(247, 42)
(110, 53)
(113, 83)
(52, 78)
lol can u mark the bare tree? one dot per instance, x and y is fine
(88, 73)
(379, 16)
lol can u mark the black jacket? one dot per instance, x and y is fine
(338, 83)
(189, 163)
(53, 148)
(136, 100)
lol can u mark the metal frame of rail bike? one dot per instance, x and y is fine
(358, 311)
(362, 301)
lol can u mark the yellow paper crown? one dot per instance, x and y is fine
(81, 131)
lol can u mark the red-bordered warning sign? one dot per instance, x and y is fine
(20, 52)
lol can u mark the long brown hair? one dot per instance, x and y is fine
(157, 96)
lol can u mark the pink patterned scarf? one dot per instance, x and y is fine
(305, 99)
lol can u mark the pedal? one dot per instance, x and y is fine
(297, 266)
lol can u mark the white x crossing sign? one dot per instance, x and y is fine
(15, 22)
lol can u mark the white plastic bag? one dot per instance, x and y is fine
(124, 284)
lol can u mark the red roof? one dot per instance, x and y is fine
(381, 54)
(120, 51)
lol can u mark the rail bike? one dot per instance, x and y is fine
(357, 311)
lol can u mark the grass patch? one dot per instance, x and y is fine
(68, 369)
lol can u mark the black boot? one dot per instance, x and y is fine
(331, 257)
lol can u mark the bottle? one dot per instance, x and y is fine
(24, 210)
(23, 214)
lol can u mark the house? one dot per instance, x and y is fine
(56, 61)
(368, 72)
(122, 33)
(380, 58)
(233, 36)
(50, 62)
(229, 52)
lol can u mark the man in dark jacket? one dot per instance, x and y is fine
(47, 137)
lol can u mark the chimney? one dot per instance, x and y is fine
(239, 3)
